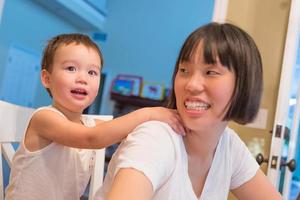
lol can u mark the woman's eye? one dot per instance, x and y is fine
(93, 73)
(212, 72)
(183, 70)
(71, 68)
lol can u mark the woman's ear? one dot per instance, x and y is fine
(45, 78)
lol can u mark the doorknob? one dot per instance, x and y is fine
(260, 159)
(291, 164)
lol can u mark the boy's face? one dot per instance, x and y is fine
(75, 77)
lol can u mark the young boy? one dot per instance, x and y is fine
(48, 164)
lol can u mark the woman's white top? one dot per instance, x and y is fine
(55, 172)
(157, 151)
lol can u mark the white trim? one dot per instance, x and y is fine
(97, 174)
(1, 177)
(98, 171)
(288, 64)
(8, 152)
(220, 11)
(1, 9)
(292, 147)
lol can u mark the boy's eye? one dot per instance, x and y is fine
(93, 73)
(71, 68)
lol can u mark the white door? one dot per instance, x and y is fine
(285, 148)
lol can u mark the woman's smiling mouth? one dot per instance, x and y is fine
(196, 105)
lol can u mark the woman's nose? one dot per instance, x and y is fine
(195, 83)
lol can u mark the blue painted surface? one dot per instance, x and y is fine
(26, 23)
(141, 37)
(144, 37)
(30, 25)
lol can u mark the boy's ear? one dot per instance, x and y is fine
(45, 78)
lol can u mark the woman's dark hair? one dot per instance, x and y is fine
(237, 51)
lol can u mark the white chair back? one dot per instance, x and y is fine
(98, 172)
(13, 122)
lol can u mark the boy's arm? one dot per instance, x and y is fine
(54, 127)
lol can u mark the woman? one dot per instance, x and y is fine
(217, 78)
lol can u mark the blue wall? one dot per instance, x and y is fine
(144, 37)
(26, 23)
(29, 25)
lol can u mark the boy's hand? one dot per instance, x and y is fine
(166, 115)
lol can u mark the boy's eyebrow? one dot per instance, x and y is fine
(71, 61)
(76, 62)
(96, 66)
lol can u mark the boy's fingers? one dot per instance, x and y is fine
(176, 123)
(182, 130)
(180, 125)
(178, 128)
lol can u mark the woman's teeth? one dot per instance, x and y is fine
(195, 105)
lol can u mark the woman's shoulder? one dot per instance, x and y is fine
(153, 135)
(232, 139)
(157, 130)
(231, 134)
(150, 148)
(153, 124)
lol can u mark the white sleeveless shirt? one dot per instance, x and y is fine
(55, 172)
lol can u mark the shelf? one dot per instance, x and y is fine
(136, 101)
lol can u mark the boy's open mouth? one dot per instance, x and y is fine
(79, 91)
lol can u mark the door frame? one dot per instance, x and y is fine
(292, 145)
(220, 11)
(281, 114)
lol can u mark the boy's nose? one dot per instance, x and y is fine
(81, 78)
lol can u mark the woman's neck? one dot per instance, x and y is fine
(201, 146)
(203, 143)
